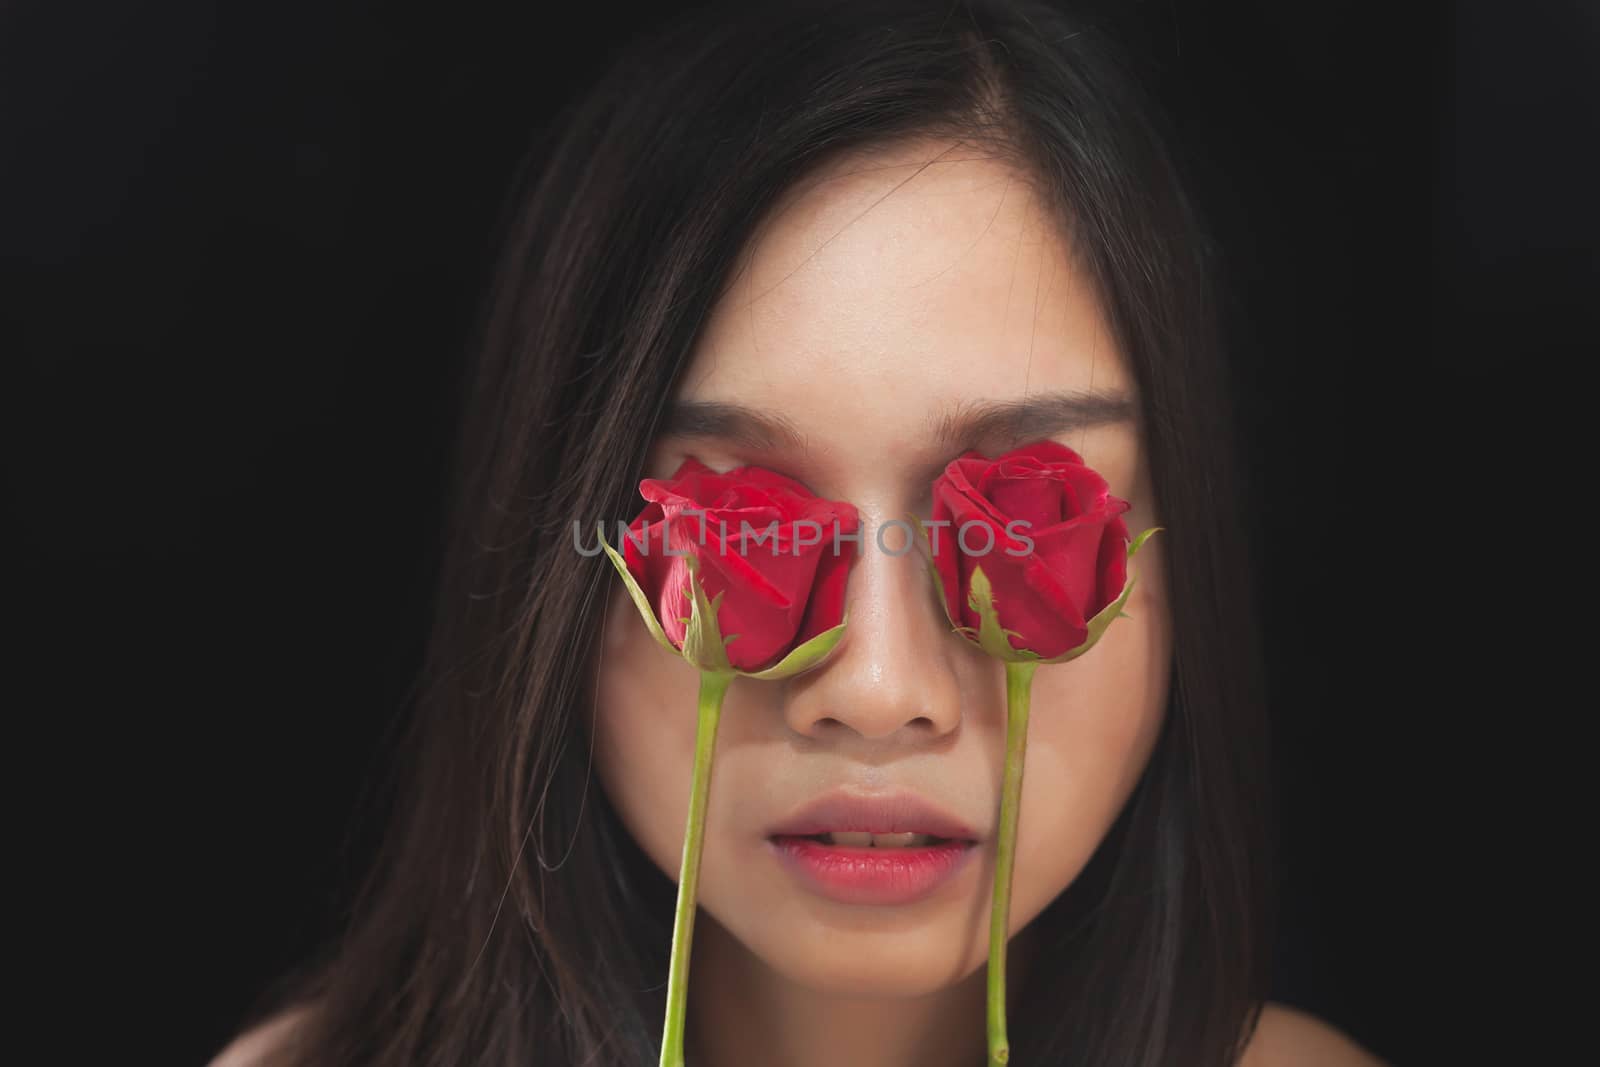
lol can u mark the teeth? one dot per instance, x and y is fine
(861, 839)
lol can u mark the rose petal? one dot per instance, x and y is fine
(1112, 565)
(826, 607)
(1038, 500)
(960, 477)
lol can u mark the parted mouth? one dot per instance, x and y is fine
(874, 820)
(863, 839)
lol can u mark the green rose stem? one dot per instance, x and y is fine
(713, 685)
(1020, 665)
(706, 649)
(1019, 680)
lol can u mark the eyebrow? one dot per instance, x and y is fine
(1037, 415)
(1034, 416)
(732, 422)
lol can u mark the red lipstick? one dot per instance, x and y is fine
(929, 849)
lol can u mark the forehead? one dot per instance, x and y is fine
(892, 288)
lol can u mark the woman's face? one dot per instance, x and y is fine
(882, 303)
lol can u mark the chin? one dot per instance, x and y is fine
(910, 962)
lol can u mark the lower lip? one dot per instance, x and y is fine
(854, 875)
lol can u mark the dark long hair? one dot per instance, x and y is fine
(510, 918)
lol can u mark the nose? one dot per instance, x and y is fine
(894, 673)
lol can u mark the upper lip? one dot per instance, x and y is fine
(880, 813)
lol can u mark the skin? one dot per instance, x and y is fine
(880, 295)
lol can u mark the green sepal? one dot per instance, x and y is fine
(640, 601)
(992, 637)
(1138, 542)
(703, 645)
(805, 656)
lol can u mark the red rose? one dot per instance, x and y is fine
(741, 573)
(1048, 535)
(763, 547)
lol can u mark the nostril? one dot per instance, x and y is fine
(829, 723)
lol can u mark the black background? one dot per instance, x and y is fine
(243, 245)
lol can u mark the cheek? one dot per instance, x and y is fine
(644, 733)
(1092, 725)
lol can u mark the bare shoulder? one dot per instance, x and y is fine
(257, 1046)
(1289, 1037)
